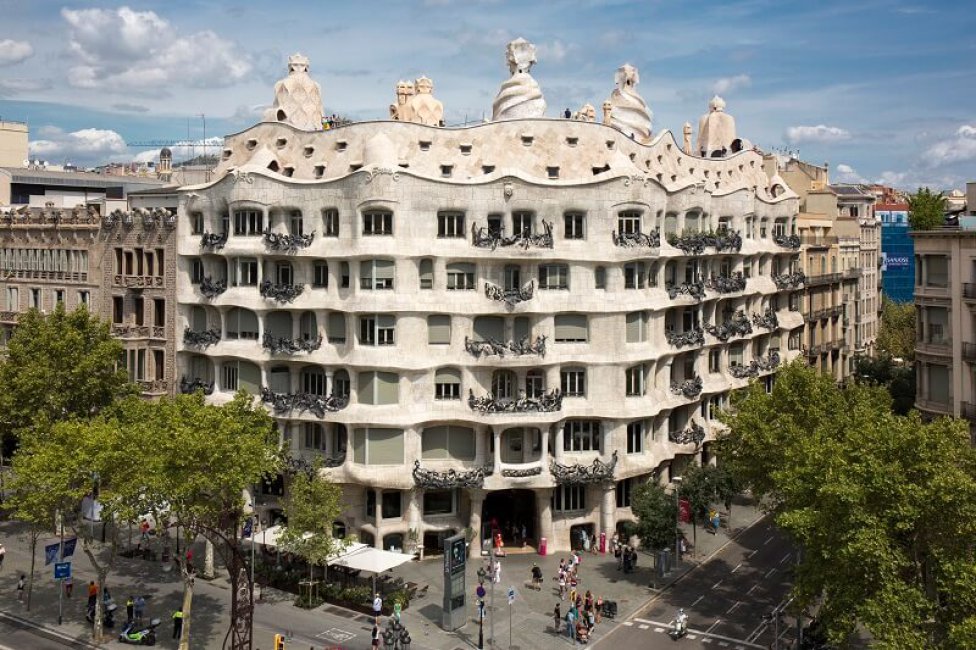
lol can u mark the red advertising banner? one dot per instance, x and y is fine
(684, 510)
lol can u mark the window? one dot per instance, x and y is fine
(237, 375)
(489, 328)
(522, 223)
(159, 312)
(440, 502)
(378, 388)
(447, 171)
(336, 329)
(84, 298)
(196, 223)
(714, 360)
(503, 384)
(937, 271)
(296, 223)
(450, 224)
(567, 498)
(330, 222)
(248, 222)
(320, 274)
(377, 329)
(447, 383)
(460, 277)
(370, 501)
(392, 504)
(573, 382)
(635, 437)
(245, 271)
(314, 436)
(447, 443)
(521, 328)
(376, 274)
(574, 223)
(378, 222)
(535, 384)
(625, 489)
(635, 380)
(600, 277)
(118, 310)
(13, 298)
(735, 355)
(374, 446)
(58, 296)
(634, 275)
(313, 381)
(284, 273)
(495, 226)
(629, 222)
(426, 273)
(581, 435)
(571, 328)
(35, 299)
(438, 329)
(553, 276)
(637, 327)
(242, 324)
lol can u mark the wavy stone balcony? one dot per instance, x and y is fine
(738, 325)
(757, 366)
(546, 403)
(790, 280)
(283, 345)
(138, 281)
(188, 386)
(694, 290)
(790, 242)
(280, 292)
(211, 288)
(637, 239)
(286, 242)
(694, 337)
(726, 284)
(449, 479)
(213, 240)
(492, 347)
(201, 339)
(766, 320)
(317, 405)
(126, 331)
(695, 243)
(483, 237)
(596, 472)
(510, 297)
(693, 433)
(689, 388)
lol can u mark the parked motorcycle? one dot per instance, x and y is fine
(108, 615)
(678, 627)
(133, 634)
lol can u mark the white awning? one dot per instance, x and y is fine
(269, 537)
(371, 560)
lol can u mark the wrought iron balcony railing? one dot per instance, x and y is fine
(695, 290)
(791, 242)
(766, 320)
(693, 337)
(301, 402)
(280, 292)
(756, 366)
(695, 243)
(202, 338)
(301, 464)
(689, 388)
(492, 347)
(286, 242)
(483, 237)
(213, 240)
(449, 480)
(596, 472)
(789, 280)
(726, 284)
(153, 387)
(637, 239)
(189, 385)
(823, 278)
(510, 296)
(284, 345)
(737, 325)
(138, 281)
(545, 403)
(211, 288)
(693, 433)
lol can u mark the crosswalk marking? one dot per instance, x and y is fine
(628, 623)
(642, 626)
(644, 620)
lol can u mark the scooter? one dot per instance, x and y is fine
(108, 615)
(133, 634)
(678, 627)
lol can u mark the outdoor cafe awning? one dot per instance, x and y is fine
(371, 560)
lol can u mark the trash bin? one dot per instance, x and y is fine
(662, 562)
(543, 546)
(603, 542)
(667, 560)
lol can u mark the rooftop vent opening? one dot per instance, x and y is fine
(319, 171)
(740, 168)
(674, 177)
(251, 144)
(281, 116)
(341, 145)
(611, 144)
(487, 169)
(680, 160)
(633, 157)
(465, 149)
(669, 147)
(706, 173)
(691, 170)
(552, 172)
(599, 170)
(572, 141)
(404, 165)
(281, 142)
(273, 166)
(752, 163)
(227, 153)
(424, 145)
(717, 184)
(289, 171)
(527, 140)
(308, 151)
(660, 177)
(447, 171)
(355, 167)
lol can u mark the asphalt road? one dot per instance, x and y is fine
(725, 599)
(14, 636)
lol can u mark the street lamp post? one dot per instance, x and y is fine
(677, 527)
(481, 614)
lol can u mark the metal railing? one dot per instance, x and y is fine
(824, 278)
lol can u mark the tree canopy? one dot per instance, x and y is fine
(657, 516)
(926, 209)
(881, 504)
(896, 334)
(58, 366)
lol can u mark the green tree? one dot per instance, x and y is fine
(311, 506)
(699, 485)
(657, 516)
(926, 209)
(58, 366)
(896, 334)
(881, 504)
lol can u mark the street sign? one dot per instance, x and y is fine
(62, 570)
(511, 595)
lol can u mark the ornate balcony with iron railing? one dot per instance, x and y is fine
(130, 331)
(303, 464)
(39, 274)
(286, 242)
(116, 218)
(823, 278)
(190, 385)
(757, 366)
(789, 280)
(791, 242)
(213, 240)
(138, 281)
(492, 347)
(285, 345)
(81, 217)
(726, 284)
(693, 433)
(695, 243)
(280, 292)
(853, 273)
(545, 403)
(156, 217)
(689, 388)
(201, 339)
(211, 288)
(637, 239)
(448, 480)
(492, 238)
(511, 297)
(9, 316)
(317, 405)
(737, 325)
(694, 290)
(693, 337)
(596, 472)
(766, 320)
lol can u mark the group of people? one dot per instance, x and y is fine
(585, 609)
(333, 121)
(626, 558)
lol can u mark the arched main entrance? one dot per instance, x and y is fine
(507, 512)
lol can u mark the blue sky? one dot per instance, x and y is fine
(883, 90)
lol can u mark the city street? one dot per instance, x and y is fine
(725, 599)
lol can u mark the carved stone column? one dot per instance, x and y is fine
(474, 520)
(497, 437)
(558, 451)
(543, 506)
(608, 509)
(378, 518)
(414, 515)
(481, 445)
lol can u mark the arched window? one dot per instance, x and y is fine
(313, 381)
(279, 379)
(242, 324)
(535, 383)
(308, 326)
(503, 384)
(278, 324)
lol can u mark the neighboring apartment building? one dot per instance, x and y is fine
(897, 252)
(13, 144)
(513, 322)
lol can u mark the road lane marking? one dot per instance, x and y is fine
(734, 605)
(737, 567)
(769, 573)
(753, 552)
(713, 625)
(712, 637)
(706, 640)
(752, 588)
(768, 540)
(697, 600)
(692, 637)
(644, 620)
(715, 586)
(659, 629)
(628, 623)
(756, 633)
(642, 626)
(785, 558)
(724, 644)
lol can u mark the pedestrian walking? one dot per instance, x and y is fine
(377, 608)
(140, 607)
(20, 587)
(92, 595)
(557, 617)
(571, 625)
(129, 608)
(69, 586)
(178, 623)
(375, 636)
(562, 584)
(3, 554)
(498, 572)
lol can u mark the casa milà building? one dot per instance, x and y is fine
(511, 323)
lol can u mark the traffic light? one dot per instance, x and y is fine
(279, 642)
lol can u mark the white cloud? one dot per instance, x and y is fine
(183, 150)
(726, 85)
(960, 147)
(12, 51)
(86, 144)
(139, 51)
(847, 174)
(819, 133)
(17, 86)
(554, 52)
(845, 169)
